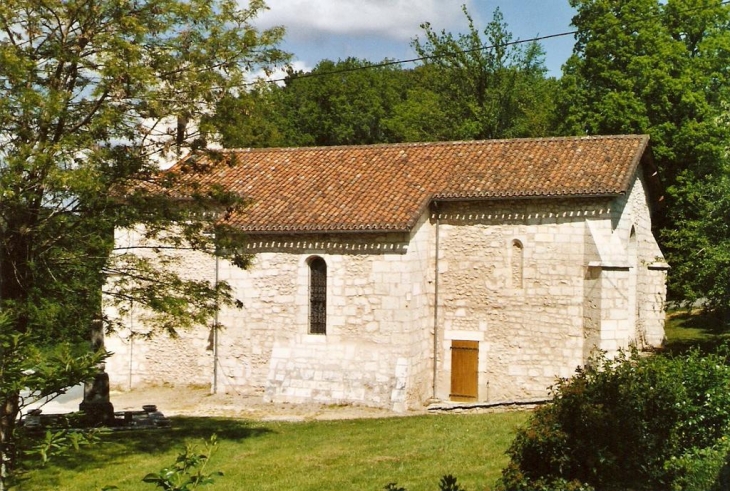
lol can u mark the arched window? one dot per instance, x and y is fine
(517, 263)
(317, 296)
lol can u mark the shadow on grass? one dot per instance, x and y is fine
(118, 444)
(190, 428)
(695, 329)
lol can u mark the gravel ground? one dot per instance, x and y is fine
(193, 401)
(198, 401)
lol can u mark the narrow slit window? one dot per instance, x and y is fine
(517, 263)
(317, 296)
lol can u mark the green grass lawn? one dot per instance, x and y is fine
(362, 454)
(685, 329)
(327, 455)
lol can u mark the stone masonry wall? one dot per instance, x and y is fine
(630, 274)
(140, 360)
(526, 312)
(376, 308)
(538, 283)
(651, 271)
(372, 354)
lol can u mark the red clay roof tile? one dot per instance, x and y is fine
(387, 187)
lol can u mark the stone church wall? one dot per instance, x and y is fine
(512, 278)
(538, 283)
(541, 284)
(141, 360)
(377, 307)
(375, 351)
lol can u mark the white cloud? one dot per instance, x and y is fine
(395, 19)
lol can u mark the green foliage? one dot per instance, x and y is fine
(514, 480)
(660, 68)
(485, 87)
(251, 119)
(58, 442)
(29, 374)
(703, 237)
(701, 469)
(446, 483)
(42, 373)
(623, 423)
(342, 109)
(88, 91)
(461, 90)
(189, 470)
(645, 66)
(449, 483)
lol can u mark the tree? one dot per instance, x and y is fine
(251, 119)
(486, 87)
(337, 103)
(646, 66)
(341, 103)
(92, 94)
(703, 235)
(470, 86)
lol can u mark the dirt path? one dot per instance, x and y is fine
(188, 401)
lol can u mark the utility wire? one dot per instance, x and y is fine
(463, 51)
(421, 58)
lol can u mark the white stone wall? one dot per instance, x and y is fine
(585, 283)
(140, 359)
(628, 276)
(374, 352)
(377, 307)
(651, 272)
(530, 329)
(538, 283)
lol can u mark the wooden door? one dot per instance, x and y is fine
(464, 370)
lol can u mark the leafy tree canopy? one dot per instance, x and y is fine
(469, 86)
(93, 94)
(661, 67)
(337, 103)
(488, 87)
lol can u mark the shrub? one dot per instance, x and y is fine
(446, 483)
(702, 469)
(632, 422)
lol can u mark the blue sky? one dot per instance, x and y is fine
(378, 29)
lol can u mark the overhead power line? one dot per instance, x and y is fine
(454, 53)
(421, 58)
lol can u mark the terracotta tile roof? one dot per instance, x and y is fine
(387, 187)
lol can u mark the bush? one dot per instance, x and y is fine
(703, 469)
(632, 422)
(446, 483)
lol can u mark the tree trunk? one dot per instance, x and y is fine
(16, 252)
(8, 415)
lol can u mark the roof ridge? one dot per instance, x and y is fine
(639, 136)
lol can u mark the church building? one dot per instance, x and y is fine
(397, 275)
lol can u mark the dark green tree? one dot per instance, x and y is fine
(336, 103)
(661, 68)
(469, 86)
(92, 93)
(701, 239)
(251, 119)
(341, 103)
